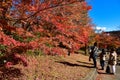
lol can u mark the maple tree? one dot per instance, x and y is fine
(51, 26)
(107, 41)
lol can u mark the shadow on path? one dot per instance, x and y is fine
(85, 62)
(73, 64)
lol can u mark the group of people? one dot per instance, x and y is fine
(111, 61)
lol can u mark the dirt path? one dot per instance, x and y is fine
(102, 75)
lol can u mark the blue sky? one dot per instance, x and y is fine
(105, 14)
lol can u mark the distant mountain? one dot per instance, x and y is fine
(114, 33)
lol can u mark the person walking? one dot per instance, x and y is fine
(94, 54)
(112, 61)
(102, 58)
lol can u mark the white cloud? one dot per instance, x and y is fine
(101, 28)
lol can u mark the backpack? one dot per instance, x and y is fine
(112, 60)
(94, 51)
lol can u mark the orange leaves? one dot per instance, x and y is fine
(24, 34)
(33, 8)
(85, 6)
(5, 3)
(89, 7)
(107, 40)
(49, 22)
(85, 32)
(7, 40)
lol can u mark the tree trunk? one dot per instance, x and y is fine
(86, 49)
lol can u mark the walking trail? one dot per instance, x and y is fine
(102, 75)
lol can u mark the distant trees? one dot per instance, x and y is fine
(106, 40)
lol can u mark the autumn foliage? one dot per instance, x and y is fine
(107, 41)
(54, 27)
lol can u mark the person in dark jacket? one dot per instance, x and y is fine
(102, 58)
(94, 54)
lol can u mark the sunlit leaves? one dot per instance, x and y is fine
(54, 27)
(106, 41)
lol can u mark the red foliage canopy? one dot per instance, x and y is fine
(44, 24)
